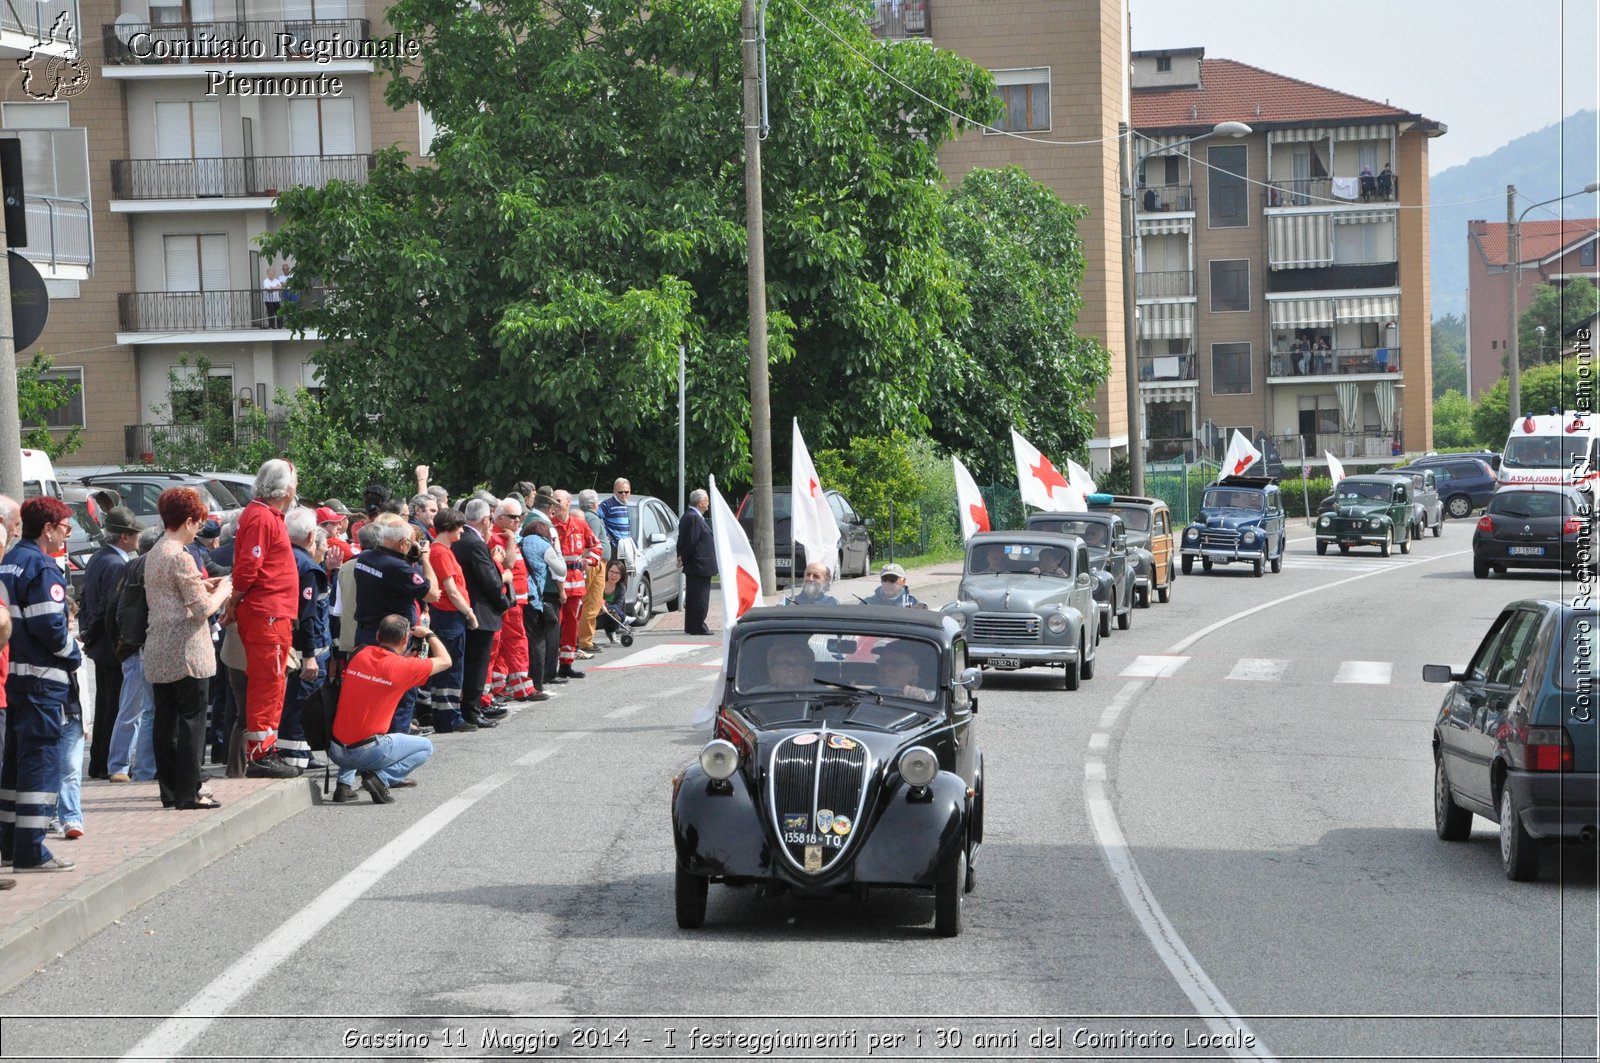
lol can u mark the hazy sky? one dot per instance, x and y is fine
(1490, 70)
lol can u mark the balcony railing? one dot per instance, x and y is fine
(232, 41)
(1168, 367)
(226, 177)
(901, 19)
(1159, 449)
(60, 232)
(140, 441)
(1170, 284)
(1154, 199)
(1367, 443)
(1338, 362)
(200, 311)
(36, 19)
(1331, 191)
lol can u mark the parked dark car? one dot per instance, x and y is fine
(1026, 600)
(1515, 739)
(1241, 519)
(1115, 570)
(1369, 510)
(1533, 526)
(844, 759)
(855, 540)
(139, 491)
(88, 507)
(1466, 481)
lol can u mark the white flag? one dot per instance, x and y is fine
(811, 522)
(1042, 485)
(1335, 467)
(1241, 455)
(969, 503)
(1079, 478)
(741, 589)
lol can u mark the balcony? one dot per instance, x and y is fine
(218, 311)
(232, 177)
(1341, 278)
(1368, 443)
(231, 41)
(1168, 368)
(899, 20)
(24, 24)
(1173, 284)
(1331, 191)
(1290, 368)
(60, 237)
(139, 441)
(1160, 199)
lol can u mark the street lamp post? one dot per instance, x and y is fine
(1130, 295)
(1514, 269)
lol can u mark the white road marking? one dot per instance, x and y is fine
(626, 710)
(1375, 672)
(1108, 718)
(1258, 669)
(665, 653)
(1099, 740)
(1094, 769)
(1153, 666)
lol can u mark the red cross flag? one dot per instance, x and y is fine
(811, 522)
(969, 503)
(736, 562)
(1241, 455)
(1042, 485)
(1335, 466)
(1078, 477)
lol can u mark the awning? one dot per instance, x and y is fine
(1158, 226)
(1299, 241)
(1368, 308)
(1363, 132)
(1166, 321)
(1301, 313)
(1163, 145)
(1296, 136)
(1167, 393)
(1362, 217)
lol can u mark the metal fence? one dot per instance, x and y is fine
(1181, 485)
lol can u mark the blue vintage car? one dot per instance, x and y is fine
(1241, 519)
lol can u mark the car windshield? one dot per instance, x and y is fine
(1136, 519)
(85, 529)
(1358, 491)
(1093, 533)
(226, 494)
(1524, 504)
(835, 662)
(1579, 653)
(1545, 452)
(1036, 559)
(1221, 498)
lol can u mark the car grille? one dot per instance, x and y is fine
(1004, 628)
(838, 789)
(1217, 539)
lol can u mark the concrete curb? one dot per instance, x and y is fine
(68, 921)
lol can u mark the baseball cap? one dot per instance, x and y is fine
(209, 530)
(892, 569)
(337, 506)
(328, 515)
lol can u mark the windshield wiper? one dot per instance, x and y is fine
(847, 686)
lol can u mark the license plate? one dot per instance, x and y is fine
(1526, 551)
(1004, 662)
(781, 562)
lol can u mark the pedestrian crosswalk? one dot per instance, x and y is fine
(1261, 669)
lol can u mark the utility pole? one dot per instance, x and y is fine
(760, 404)
(1514, 356)
(1130, 360)
(10, 417)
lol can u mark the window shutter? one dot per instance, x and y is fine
(214, 263)
(338, 127)
(305, 136)
(172, 131)
(207, 129)
(182, 255)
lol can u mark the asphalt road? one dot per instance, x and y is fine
(1232, 819)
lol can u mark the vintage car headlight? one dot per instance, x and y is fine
(1056, 623)
(1191, 534)
(719, 759)
(1374, 523)
(1325, 521)
(1248, 537)
(918, 766)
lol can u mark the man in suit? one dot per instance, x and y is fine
(488, 590)
(697, 556)
(120, 535)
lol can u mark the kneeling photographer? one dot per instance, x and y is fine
(375, 680)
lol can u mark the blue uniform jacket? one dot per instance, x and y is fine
(42, 647)
(311, 635)
(533, 548)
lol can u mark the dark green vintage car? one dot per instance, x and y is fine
(1374, 510)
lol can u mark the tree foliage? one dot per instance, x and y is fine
(1015, 360)
(1449, 355)
(1542, 387)
(1452, 421)
(36, 398)
(515, 308)
(1559, 309)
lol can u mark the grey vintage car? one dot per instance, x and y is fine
(1424, 498)
(1115, 564)
(1027, 600)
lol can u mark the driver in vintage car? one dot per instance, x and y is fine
(899, 670)
(1049, 563)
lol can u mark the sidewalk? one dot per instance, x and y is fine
(132, 851)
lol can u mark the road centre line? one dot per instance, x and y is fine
(168, 1040)
(626, 710)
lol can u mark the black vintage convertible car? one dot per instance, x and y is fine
(844, 759)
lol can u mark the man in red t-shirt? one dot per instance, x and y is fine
(375, 680)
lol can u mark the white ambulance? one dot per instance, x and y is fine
(1555, 448)
(38, 475)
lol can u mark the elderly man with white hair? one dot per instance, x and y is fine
(266, 591)
(488, 588)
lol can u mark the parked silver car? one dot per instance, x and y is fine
(653, 577)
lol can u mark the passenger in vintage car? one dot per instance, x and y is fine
(789, 667)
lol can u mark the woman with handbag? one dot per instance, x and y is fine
(179, 659)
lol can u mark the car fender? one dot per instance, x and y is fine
(716, 827)
(911, 840)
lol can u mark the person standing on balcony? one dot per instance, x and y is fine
(272, 296)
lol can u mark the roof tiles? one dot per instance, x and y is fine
(1540, 239)
(1231, 91)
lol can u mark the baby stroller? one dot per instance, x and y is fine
(614, 622)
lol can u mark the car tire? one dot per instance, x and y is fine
(1519, 850)
(1188, 565)
(1207, 564)
(1405, 547)
(1073, 672)
(948, 896)
(1451, 822)
(1385, 546)
(1125, 619)
(1277, 562)
(1480, 569)
(1105, 624)
(1438, 526)
(1458, 506)
(644, 603)
(1142, 600)
(677, 599)
(1259, 567)
(1322, 549)
(689, 897)
(866, 561)
(1085, 667)
(1164, 594)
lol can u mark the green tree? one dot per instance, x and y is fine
(880, 475)
(1543, 387)
(1015, 360)
(1559, 308)
(37, 398)
(1452, 421)
(1449, 355)
(516, 307)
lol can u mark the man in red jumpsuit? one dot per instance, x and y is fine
(580, 548)
(509, 670)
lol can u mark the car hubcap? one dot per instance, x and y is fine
(1438, 792)
(1505, 828)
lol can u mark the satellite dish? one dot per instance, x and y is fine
(126, 26)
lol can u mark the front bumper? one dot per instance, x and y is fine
(1554, 804)
(1364, 537)
(1224, 554)
(1030, 656)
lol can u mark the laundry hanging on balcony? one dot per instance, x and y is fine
(1349, 406)
(1383, 392)
(1299, 241)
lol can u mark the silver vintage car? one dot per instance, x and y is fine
(1027, 600)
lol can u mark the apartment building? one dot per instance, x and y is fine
(151, 170)
(1551, 252)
